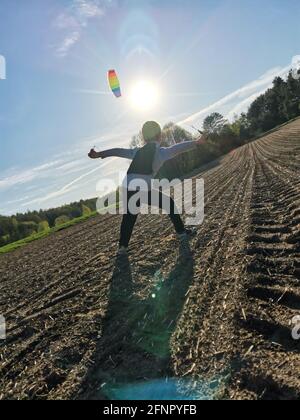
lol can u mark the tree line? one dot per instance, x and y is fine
(22, 225)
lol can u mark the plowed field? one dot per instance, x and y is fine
(82, 324)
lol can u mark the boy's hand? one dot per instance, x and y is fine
(95, 155)
(202, 140)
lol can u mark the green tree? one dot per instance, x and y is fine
(214, 123)
(4, 240)
(174, 134)
(137, 141)
(245, 132)
(292, 96)
(43, 226)
(85, 210)
(28, 228)
(61, 220)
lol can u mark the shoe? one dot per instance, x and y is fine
(123, 251)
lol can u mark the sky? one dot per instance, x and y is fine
(55, 105)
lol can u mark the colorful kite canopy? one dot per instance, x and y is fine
(114, 83)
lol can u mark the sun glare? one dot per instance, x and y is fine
(144, 96)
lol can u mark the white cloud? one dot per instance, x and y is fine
(27, 175)
(239, 100)
(65, 21)
(74, 20)
(47, 182)
(19, 200)
(87, 9)
(71, 186)
(244, 104)
(73, 166)
(68, 43)
(63, 165)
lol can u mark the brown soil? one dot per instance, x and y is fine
(84, 325)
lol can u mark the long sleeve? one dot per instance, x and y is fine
(121, 153)
(170, 152)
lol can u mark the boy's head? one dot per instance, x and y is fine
(151, 132)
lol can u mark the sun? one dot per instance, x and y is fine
(144, 96)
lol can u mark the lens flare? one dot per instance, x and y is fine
(144, 96)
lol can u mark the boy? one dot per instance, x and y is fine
(146, 163)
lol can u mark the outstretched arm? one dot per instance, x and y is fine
(173, 151)
(122, 153)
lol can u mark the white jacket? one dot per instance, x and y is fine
(162, 155)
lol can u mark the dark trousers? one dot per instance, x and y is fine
(130, 219)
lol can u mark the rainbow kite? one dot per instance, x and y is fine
(114, 83)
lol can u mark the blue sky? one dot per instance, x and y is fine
(204, 56)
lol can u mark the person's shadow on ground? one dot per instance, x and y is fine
(133, 358)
